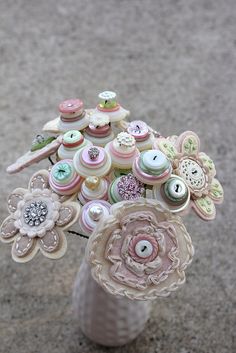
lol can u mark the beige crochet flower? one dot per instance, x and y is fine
(197, 169)
(140, 251)
(38, 218)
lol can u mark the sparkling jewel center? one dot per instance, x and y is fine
(35, 213)
(93, 153)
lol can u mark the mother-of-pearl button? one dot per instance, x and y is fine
(95, 212)
(154, 160)
(177, 188)
(143, 248)
(72, 137)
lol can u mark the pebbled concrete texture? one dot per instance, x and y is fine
(173, 64)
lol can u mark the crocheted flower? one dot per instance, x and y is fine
(197, 169)
(140, 251)
(38, 218)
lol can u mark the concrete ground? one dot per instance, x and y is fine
(173, 63)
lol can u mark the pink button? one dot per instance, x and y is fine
(71, 106)
(95, 131)
(138, 129)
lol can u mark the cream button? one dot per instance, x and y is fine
(154, 160)
(99, 120)
(143, 248)
(125, 139)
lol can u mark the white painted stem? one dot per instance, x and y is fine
(104, 318)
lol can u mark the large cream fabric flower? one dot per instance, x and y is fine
(140, 251)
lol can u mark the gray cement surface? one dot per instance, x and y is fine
(173, 63)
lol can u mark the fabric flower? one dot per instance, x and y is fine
(197, 169)
(140, 251)
(38, 218)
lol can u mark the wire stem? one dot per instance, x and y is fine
(50, 160)
(81, 235)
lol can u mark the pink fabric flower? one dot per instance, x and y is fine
(140, 251)
(197, 170)
(38, 218)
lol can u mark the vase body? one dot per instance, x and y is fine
(105, 318)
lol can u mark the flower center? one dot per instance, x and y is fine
(62, 171)
(93, 153)
(192, 173)
(35, 213)
(96, 212)
(143, 248)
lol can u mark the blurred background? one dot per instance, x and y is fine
(173, 64)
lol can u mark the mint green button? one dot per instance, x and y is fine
(72, 136)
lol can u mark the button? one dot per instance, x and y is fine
(176, 188)
(95, 212)
(71, 137)
(125, 139)
(107, 95)
(99, 120)
(107, 100)
(92, 182)
(154, 160)
(71, 106)
(138, 129)
(61, 171)
(143, 248)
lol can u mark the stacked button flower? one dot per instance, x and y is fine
(38, 218)
(196, 169)
(108, 105)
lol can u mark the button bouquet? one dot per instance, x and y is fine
(126, 189)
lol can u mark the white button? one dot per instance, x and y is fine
(99, 120)
(154, 160)
(177, 188)
(107, 95)
(72, 136)
(143, 248)
(95, 212)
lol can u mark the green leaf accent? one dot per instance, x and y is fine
(40, 145)
(208, 162)
(216, 192)
(190, 145)
(206, 206)
(167, 148)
